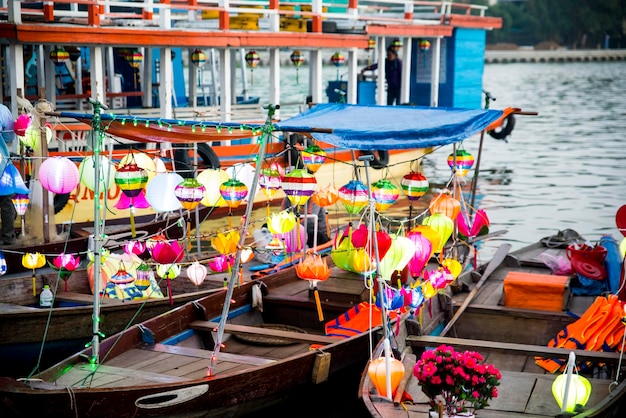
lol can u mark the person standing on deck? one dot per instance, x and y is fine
(8, 214)
(393, 75)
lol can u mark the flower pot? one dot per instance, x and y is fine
(435, 414)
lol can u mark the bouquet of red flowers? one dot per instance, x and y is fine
(461, 381)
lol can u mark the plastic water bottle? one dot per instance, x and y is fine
(45, 299)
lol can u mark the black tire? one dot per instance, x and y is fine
(381, 158)
(183, 163)
(60, 200)
(505, 130)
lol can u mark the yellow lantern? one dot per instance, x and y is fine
(33, 261)
(226, 243)
(211, 179)
(443, 226)
(574, 396)
(281, 222)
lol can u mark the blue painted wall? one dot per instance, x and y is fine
(460, 73)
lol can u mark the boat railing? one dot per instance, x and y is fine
(237, 14)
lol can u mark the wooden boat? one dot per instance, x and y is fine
(511, 335)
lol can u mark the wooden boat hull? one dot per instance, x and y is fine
(509, 338)
(177, 383)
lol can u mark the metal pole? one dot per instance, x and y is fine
(267, 130)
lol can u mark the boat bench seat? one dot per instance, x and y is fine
(84, 299)
(267, 332)
(423, 341)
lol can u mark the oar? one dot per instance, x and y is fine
(620, 220)
(496, 260)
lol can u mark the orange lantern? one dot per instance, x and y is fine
(226, 243)
(326, 196)
(377, 372)
(446, 205)
(314, 268)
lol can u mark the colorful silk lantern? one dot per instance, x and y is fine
(143, 161)
(189, 192)
(297, 58)
(354, 196)
(270, 181)
(198, 58)
(460, 162)
(281, 222)
(314, 268)
(337, 59)
(384, 194)
(424, 45)
(165, 252)
(423, 252)
(299, 186)
(233, 192)
(160, 192)
(121, 285)
(211, 179)
(58, 175)
(20, 202)
(313, 157)
(252, 60)
(396, 44)
(168, 272)
(32, 136)
(325, 196)
(414, 185)
(480, 225)
(378, 370)
(446, 205)
(453, 266)
(65, 264)
(134, 58)
(131, 179)
(135, 247)
(443, 226)
(144, 276)
(59, 56)
(360, 239)
(33, 261)
(106, 177)
(371, 44)
(196, 272)
(226, 243)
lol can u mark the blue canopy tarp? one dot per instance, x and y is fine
(363, 127)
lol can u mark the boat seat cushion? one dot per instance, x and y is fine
(536, 291)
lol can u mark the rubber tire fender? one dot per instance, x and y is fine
(381, 158)
(60, 200)
(205, 152)
(505, 130)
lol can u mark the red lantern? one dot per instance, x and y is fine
(314, 268)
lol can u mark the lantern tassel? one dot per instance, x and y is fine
(133, 232)
(318, 303)
(34, 284)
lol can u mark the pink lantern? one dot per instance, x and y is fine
(221, 263)
(58, 175)
(134, 247)
(480, 225)
(21, 124)
(292, 242)
(423, 252)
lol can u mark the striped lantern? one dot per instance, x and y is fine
(270, 180)
(145, 276)
(198, 57)
(20, 201)
(424, 45)
(59, 56)
(354, 196)
(131, 179)
(371, 44)
(233, 192)
(297, 58)
(189, 193)
(313, 157)
(414, 185)
(337, 59)
(464, 162)
(298, 186)
(385, 194)
(122, 276)
(134, 58)
(252, 60)
(58, 175)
